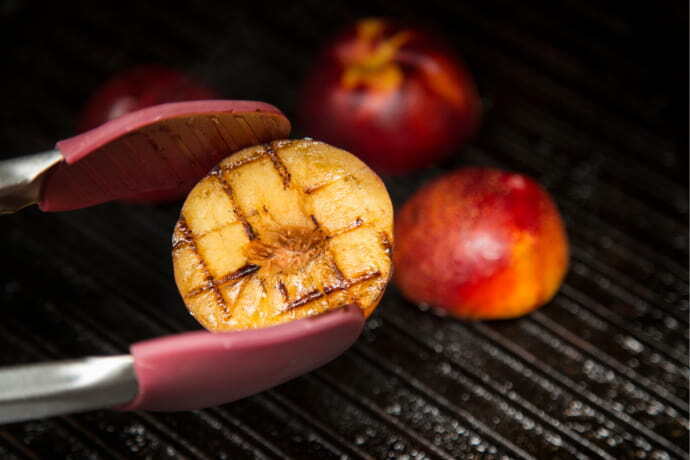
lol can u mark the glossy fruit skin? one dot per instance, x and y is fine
(135, 89)
(480, 243)
(394, 95)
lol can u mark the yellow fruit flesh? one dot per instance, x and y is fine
(283, 231)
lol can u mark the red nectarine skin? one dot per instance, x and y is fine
(395, 96)
(480, 243)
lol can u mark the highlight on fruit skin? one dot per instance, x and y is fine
(394, 94)
(480, 243)
(283, 231)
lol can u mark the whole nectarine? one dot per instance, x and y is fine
(480, 243)
(394, 95)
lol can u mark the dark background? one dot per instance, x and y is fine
(588, 98)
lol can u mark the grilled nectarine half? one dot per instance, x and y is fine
(283, 231)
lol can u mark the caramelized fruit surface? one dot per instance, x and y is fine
(282, 231)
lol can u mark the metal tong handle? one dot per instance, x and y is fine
(63, 387)
(21, 179)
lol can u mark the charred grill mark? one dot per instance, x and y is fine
(280, 144)
(362, 278)
(316, 222)
(328, 289)
(218, 174)
(244, 161)
(201, 289)
(283, 290)
(210, 282)
(180, 239)
(262, 282)
(249, 230)
(179, 244)
(386, 243)
(241, 272)
(278, 165)
(317, 187)
(313, 188)
(186, 232)
(310, 297)
(355, 225)
(268, 214)
(316, 294)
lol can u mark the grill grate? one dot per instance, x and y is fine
(582, 96)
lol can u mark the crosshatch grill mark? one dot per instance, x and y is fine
(210, 282)
(316, 294)
(241, 272)
(217, 173)
(244, 161)
(249, 269)
(316, 187)
(278, 165)
(353, 226)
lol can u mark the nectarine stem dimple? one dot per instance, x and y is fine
(374, 66)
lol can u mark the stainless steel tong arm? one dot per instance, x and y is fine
(62, 387)
(21, 179)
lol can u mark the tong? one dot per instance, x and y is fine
(165, 147)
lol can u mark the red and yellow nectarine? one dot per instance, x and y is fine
(395, 96)
(480, 243)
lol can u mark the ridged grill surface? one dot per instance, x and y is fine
(588, 98)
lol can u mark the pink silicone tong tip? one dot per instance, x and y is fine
(164, 148)
(77, 147)
(201, 369)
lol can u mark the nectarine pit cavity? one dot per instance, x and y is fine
(287, 250)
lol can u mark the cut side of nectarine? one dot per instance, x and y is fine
(282, 231)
